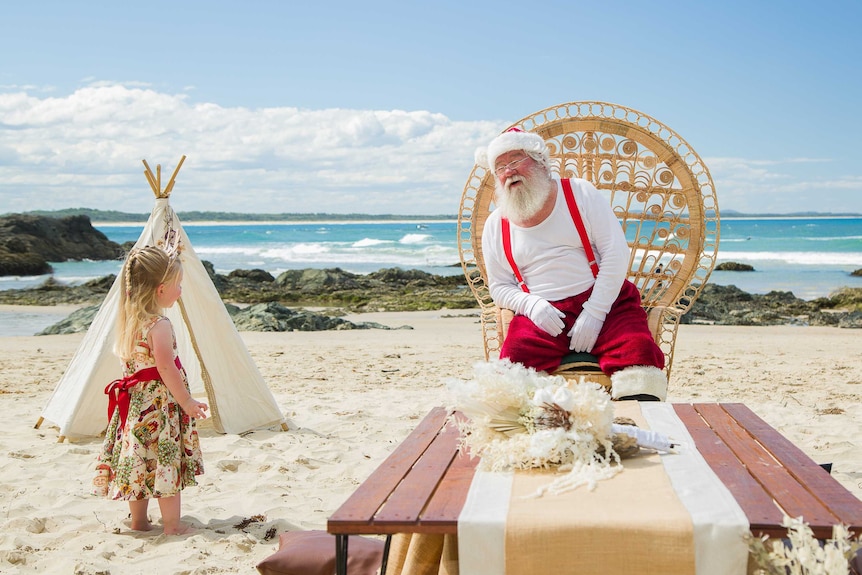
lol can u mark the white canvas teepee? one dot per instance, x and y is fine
(214, 356)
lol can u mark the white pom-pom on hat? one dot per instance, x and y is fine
(510, 140)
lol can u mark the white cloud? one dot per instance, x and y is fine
(786, 185)
(85, 149)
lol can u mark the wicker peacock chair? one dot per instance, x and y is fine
(660, 190)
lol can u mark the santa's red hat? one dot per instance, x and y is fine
(510, 140)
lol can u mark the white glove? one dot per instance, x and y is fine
(585, 332)
(545, 316)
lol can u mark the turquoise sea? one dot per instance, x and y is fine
(810, 257)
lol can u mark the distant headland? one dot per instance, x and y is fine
(112, 216)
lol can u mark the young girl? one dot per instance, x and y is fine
(151, 447)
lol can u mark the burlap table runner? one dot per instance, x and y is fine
(631, 523)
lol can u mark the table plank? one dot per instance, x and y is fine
(839, 500)
(408, 499)
(441, 514)
(791, 495)
(357, 512)
(448, 501)
(756, 503)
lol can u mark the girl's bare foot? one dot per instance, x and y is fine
(141, 526)
(181, 529)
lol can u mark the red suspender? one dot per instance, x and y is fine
(579, 224)
(507, 247)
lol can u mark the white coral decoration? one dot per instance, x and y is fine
(562, 397)
(521, 419)
(805, 554)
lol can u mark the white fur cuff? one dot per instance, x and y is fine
(639, 379)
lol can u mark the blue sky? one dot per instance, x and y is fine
(377, 107)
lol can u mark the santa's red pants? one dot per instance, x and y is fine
(624, 341)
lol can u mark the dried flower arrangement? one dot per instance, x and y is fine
(802, 553)
(522, 419)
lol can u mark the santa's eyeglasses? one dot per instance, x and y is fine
(510, 166)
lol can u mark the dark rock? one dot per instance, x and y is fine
(317, 280)
(26, 264)
(414, 278)
(850, 298)
(728, 305)
(102, 284)
(851, 320)
(255, 275)
(734, 267)
(857, 273)
(28, 243)
(220, 282)
(715, 302)
(276, 317)
(397, 276)
(52, 292)
(78, 321)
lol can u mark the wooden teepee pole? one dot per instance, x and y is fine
(170, 185)
(148, 173)
(155, 180)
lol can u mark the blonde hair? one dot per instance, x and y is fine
(144, 271)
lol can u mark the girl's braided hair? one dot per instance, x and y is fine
(143, 272)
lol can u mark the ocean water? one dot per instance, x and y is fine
(810, 257)
(358, 247)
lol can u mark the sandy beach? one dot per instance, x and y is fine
(349, 397)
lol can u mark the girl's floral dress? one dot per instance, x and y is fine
(157, 452)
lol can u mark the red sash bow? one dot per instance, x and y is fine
(118, 390)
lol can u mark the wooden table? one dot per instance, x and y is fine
(421, 487)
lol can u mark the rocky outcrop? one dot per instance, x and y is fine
(76, 322)
(843, 298)
(276, 317)
(391, 289)
(395, 289)
(28, 243)
(314, 281)
(260, 317)
(728, 305)
(52, 292)
(14, 262)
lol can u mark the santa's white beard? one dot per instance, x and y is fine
(526, 200)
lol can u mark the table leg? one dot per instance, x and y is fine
(385, 554)
(341, 554)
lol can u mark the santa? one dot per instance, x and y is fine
(556, 255)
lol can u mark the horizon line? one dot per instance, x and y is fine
(200, 216)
